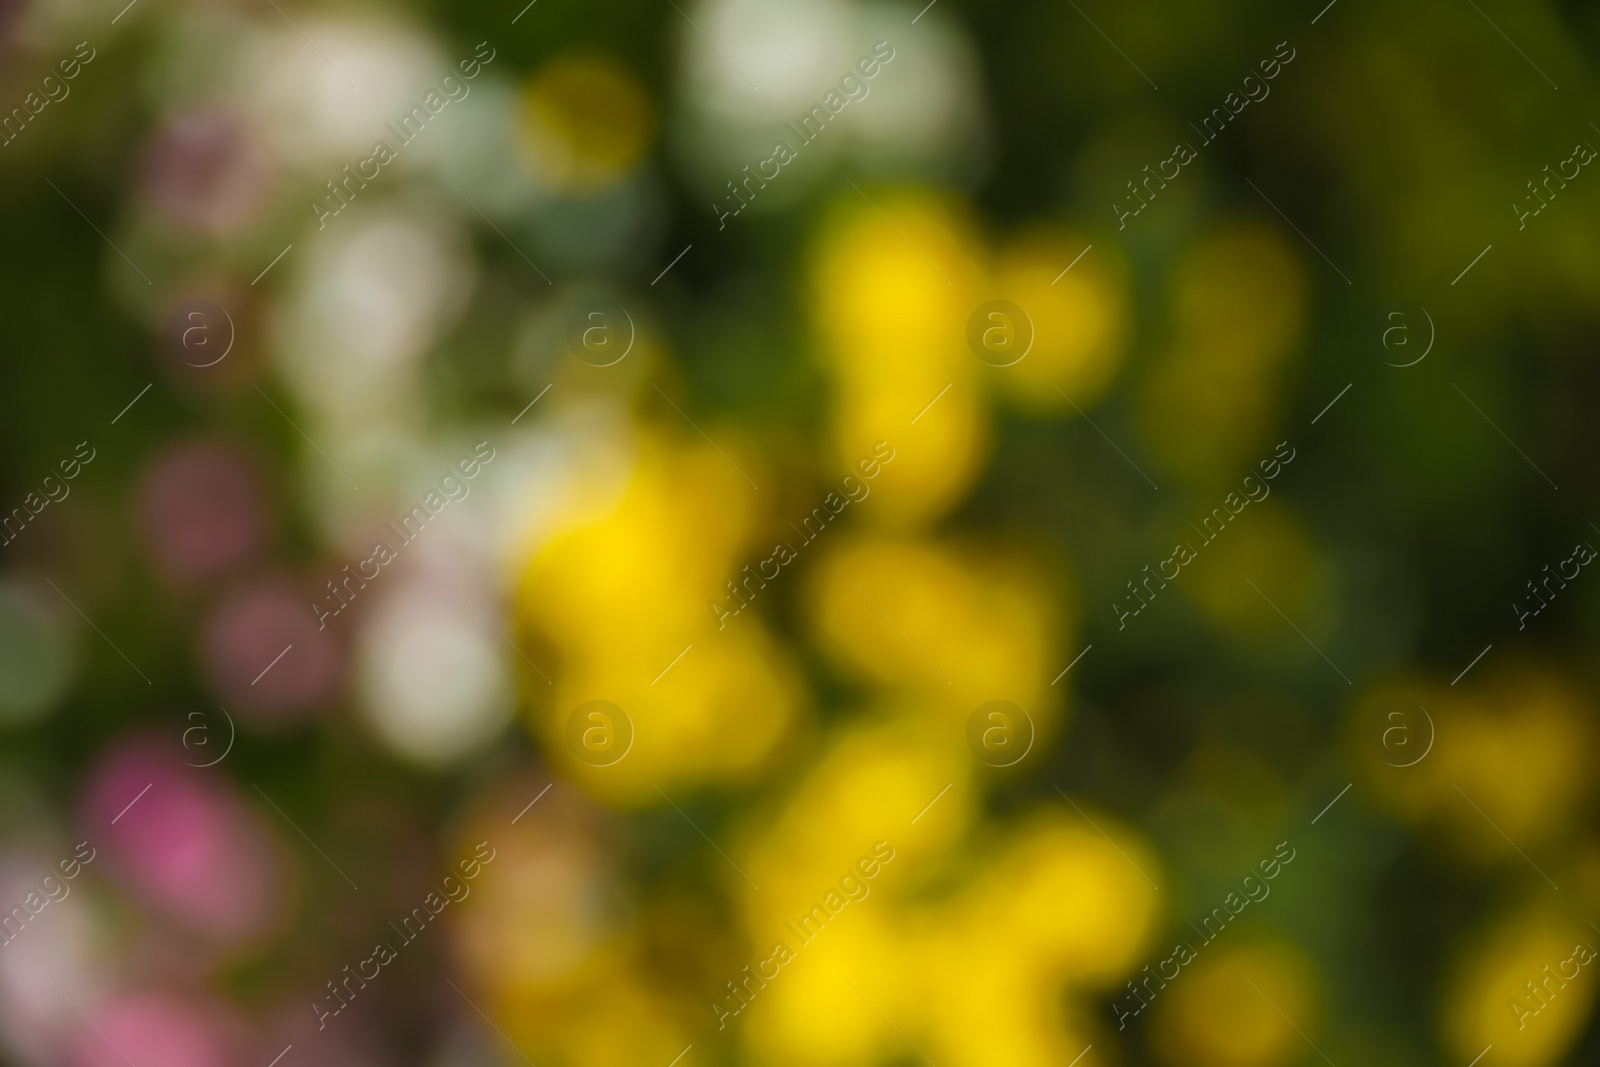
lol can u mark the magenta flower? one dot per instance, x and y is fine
(182, 841)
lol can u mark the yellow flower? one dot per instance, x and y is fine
(1243, 1005)
(980, 1004)
(1489, 999)
(1238, 312)
(1264, 543)
(817, 1010)
(619, 609)
(1059, 905)
(1242, 294)
(586, 122)
(867, 787)
(960, 627)
(543, 948)
(891, 293)
(1079, 319)
(1068, 902)
(619, 1020)
(936, 458)
(1512, 752)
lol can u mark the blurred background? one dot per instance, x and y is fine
(525, 535)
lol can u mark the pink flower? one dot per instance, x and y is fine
(200, 510)
(204, 170)
(265, 651)
(158, 1028)
(182, 840)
